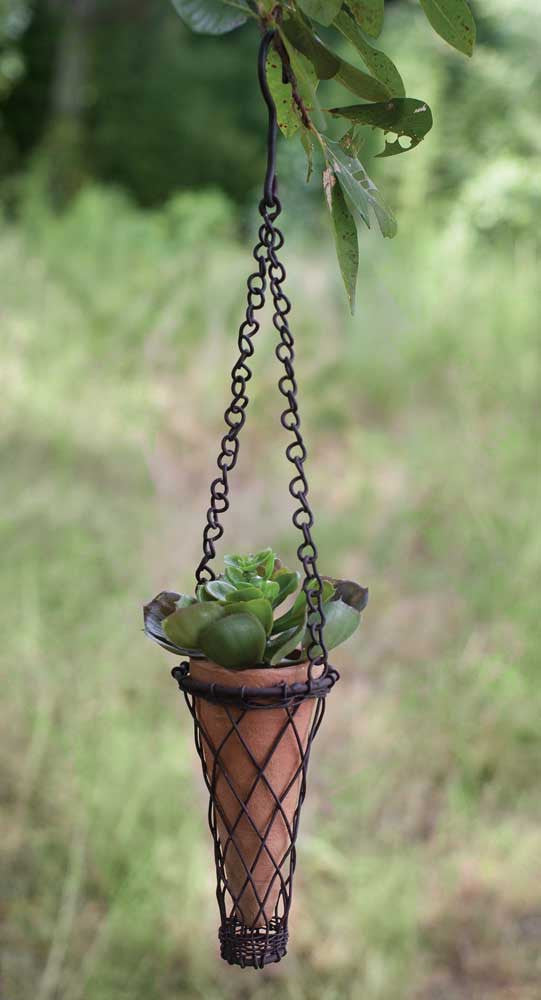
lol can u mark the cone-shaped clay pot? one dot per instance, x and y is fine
(272, 742)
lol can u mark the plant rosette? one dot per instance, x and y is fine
(232, 621)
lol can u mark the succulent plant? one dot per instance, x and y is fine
(231, 620)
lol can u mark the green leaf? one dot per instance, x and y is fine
(368, 15)
(219, 589)
(184, 601)
(259, 607)
(341, 621)
(211, 17)
(287, 582)
(270, 589)
(350, 592)
(453, 20)
(377, 62)
(184, 626)
(352, 141)
(297, 612)
(278, 648)
(308, 146)
(361, 84)
(401, 115)
(244, 593)
(235, 642)
(345, 234)
(361, 193)
(322, 11)
(265, 563)
(325, 62)
(307, 81)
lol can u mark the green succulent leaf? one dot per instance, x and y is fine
(325, 62)
(212, 17)
(270, 589)
(282, 645)
(322, 11)
(287, 581)
(453, 21)
(184, 601)
(297, 612)
(259, 607)
(341, 621)
(360, 191)
(345, 234)
(368, 14)
(404, 116)
(160, 607)
(184, 626)
(219, 589)
(376, 61)
(244, 593)
(349, 592)
(234, 641)
(265, 566)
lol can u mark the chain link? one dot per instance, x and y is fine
(271, 270)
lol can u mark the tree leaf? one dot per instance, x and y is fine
(211, 17)
(307, 81)
(308, 146)
(322, 11)
(377, 62)
(368, 15)
(325, 62)
(402, 115)
(353, 140)
(345, 234)
(361, 193)
(453, 21)
(361, 84)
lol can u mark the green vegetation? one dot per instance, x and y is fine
(420, 833)
(231, 619)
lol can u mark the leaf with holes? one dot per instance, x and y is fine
(376, 61)
(212, 17)
(322, 11)
(361, 193)
(368, 15)
(345, 234)
(288, 116)
(453, 21)
(405, 116)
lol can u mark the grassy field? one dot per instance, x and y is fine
(420, 837)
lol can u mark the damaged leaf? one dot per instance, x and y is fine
(376, 61)
(361, 193)
(345, 234)
(404, 116)
(368, 15)
(288, 117)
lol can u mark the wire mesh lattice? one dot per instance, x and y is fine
(254, 747)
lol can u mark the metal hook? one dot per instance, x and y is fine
(270, 176)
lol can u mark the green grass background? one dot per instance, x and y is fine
(418, 874)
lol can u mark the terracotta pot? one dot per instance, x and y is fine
(240, 834)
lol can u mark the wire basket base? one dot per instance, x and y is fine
(253, 947)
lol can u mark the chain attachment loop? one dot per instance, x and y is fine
(270, 272)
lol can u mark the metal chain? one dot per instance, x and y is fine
(271, 240)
